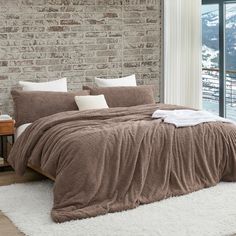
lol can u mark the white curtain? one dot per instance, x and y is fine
(182, 53)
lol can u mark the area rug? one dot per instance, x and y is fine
(207, 212)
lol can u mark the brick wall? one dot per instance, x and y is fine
(42, 40)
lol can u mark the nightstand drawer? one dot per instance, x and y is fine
(7, 127)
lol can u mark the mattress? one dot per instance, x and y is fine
(21, 129)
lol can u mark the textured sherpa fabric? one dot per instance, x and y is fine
(33, 105)
(125, 96)
(108, 160)
(209, 212)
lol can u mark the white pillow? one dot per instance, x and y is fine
(54, 86)
(120, 82)
(91, 102)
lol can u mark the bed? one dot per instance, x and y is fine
(109, 160)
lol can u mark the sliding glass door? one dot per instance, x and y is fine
(230, 59)
(219, 57)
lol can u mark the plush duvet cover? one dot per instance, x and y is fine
(116, 159)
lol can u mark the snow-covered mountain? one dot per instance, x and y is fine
(210, 36)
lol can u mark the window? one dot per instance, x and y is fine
(219, 57)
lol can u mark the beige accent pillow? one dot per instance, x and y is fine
(91, 102)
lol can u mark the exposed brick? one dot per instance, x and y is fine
(96, 60)
(133, 58)
(116, 46)
(48, 9)
(56, 15)
(70, 74)
(134, 20)
(131, 14)
(72, 61)
(57, 28)
(29, 55)
(51, 21)
(3, 77)
(3, 63)
(102, 66)
(21, 63)
(153, 7)
(110, 15)
(96, 72)
(13, 70)
(107, 40)
(135, 7)
(79, 39)
(32, 2)
(115, 34)
(96, 34)
(132, 52)
(149, 63)
(12, 16)
(107, 53)
(152, 2)
(59, 68)
(33, 29)
(47, 62)
(152, 20)
(34, 69)
(58, 2)
(104, 2)
(96, 47)
(83, 2)
(3, 36)
(131, 64)
(9, 29)
(115, 59)
(131, 2)
(94, 22)
(83, 67)
(70, 22)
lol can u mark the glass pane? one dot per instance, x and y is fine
(210, 57)
(230, 59)
(210, 81)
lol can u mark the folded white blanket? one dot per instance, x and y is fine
(183, 118)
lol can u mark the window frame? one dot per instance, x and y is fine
(217, 1)
(222, 78)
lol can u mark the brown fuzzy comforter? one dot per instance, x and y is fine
(115, 159)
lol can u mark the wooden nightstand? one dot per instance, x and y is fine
(6, 130)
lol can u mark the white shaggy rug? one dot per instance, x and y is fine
(207, 212)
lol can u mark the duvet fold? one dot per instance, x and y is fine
(116, 159)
